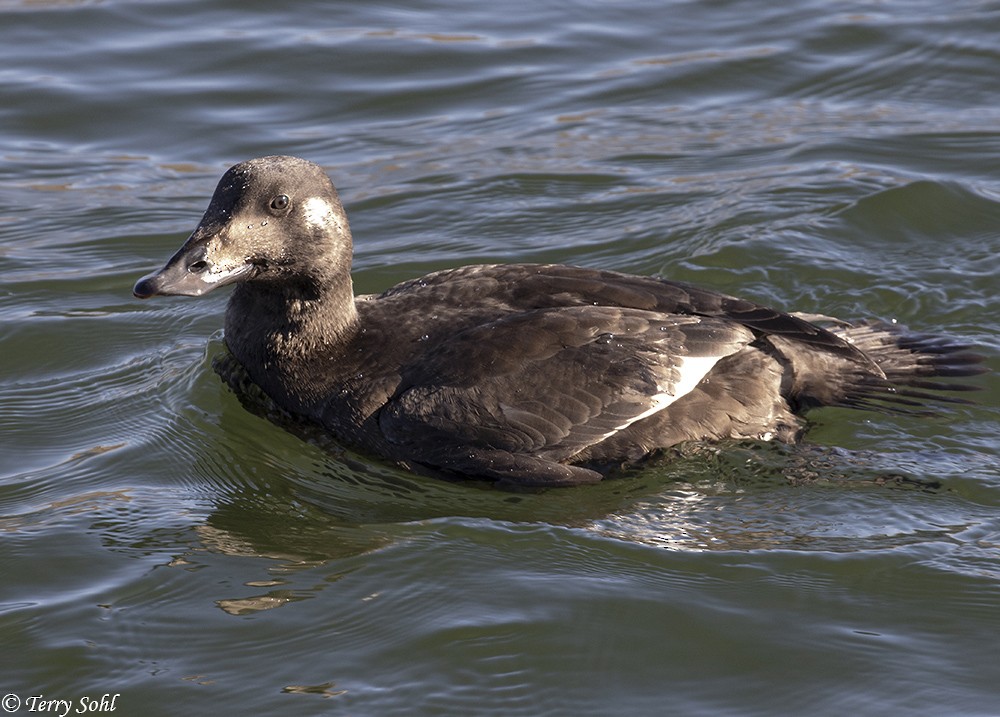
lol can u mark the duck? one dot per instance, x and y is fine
(533, 375)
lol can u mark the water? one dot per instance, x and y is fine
(162, 543)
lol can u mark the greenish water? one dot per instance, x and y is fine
(160, 542)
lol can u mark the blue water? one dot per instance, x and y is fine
(160, 542)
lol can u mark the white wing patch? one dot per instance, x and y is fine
(691, 370)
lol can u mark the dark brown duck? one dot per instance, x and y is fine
(527, 374)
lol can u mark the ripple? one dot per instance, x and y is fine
(164, 542)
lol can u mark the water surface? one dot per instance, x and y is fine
(161, 542)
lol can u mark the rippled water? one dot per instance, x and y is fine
(162, 543)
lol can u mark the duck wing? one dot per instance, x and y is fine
(581, 374)
(530, 286)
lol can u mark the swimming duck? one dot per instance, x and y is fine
(524, 374)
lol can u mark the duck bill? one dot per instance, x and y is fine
(191, 272)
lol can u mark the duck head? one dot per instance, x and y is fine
(274, 220)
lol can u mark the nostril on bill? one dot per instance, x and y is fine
(197, 266)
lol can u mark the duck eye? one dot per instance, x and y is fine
(280, 203)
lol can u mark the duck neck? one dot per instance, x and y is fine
(285, 335)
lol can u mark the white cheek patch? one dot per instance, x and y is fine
(319, 213)
(221, 268)
(222, 274)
